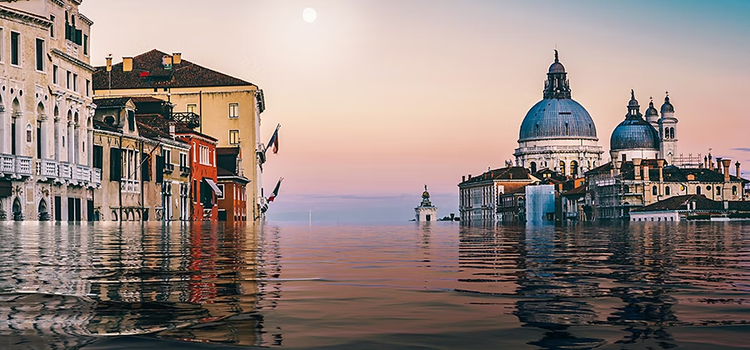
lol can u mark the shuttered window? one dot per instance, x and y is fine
(115, 164)
(145, 167)
(98, 156)
(159, 169)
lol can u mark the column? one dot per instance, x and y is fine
(3, 136)
(57, 138)
(43, 137)
(77, 144)
(71, 156)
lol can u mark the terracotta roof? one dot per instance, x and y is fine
(509, 173)
(146, 99)
(100, 125)
(148, 72)
(578, 191)
(111, 102)
(701, 203)
(152, 126)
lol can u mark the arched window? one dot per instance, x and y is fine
(654, 191)
(667, 191)
(533, 167)
(697, 190)
(626, 189)
(573, 168)
(718, 190)
(562, 167)
(734, 190)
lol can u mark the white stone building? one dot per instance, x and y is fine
(557, 132)
(425, 211)
(46, 112)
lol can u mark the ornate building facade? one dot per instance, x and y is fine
(557, 132)
(46, 112)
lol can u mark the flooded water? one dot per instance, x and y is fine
(435, 286)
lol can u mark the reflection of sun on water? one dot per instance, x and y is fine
(309, 15)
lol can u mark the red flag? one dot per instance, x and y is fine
(275, 140)
(275, 190)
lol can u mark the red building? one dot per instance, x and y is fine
(232, 182)
(204, 190)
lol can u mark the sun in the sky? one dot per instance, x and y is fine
(309, 15)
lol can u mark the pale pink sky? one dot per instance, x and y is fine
(381, 97)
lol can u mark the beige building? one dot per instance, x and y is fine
(228, 108)
(480, 197)
(46, 112)
(130, 190)
(615, 190)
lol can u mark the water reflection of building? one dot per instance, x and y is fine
(75, 283)
(646, 257)
(552, 296)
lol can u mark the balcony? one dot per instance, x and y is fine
(15, 167)
(130, 186)
(46, 169)
(168, 168)
(184, 171)
(63, 172)
(190, 119)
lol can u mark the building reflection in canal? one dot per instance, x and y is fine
(66, 287)
(566, 280)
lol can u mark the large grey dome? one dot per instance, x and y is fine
(557, 118)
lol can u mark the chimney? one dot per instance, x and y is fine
(718, 164)
(166, 62)
(726, 163)
(172, 130)
(469, 176)
(646, 175)
(710, 162)
(463, 178)
(127, 64)
(637, 165)
(109, 63)
(705, 162)
(176, 58)
(737, 168)
(660, 164)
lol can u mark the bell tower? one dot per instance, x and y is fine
(667, 131)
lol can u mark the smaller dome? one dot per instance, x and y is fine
(556, 67)
(634, 133)
(667, 106)
(651, 111)
(425, 194)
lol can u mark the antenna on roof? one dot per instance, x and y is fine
(109, 73)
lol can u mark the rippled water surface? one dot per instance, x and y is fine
(435, 286)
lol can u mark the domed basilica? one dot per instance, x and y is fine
(557, 132)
